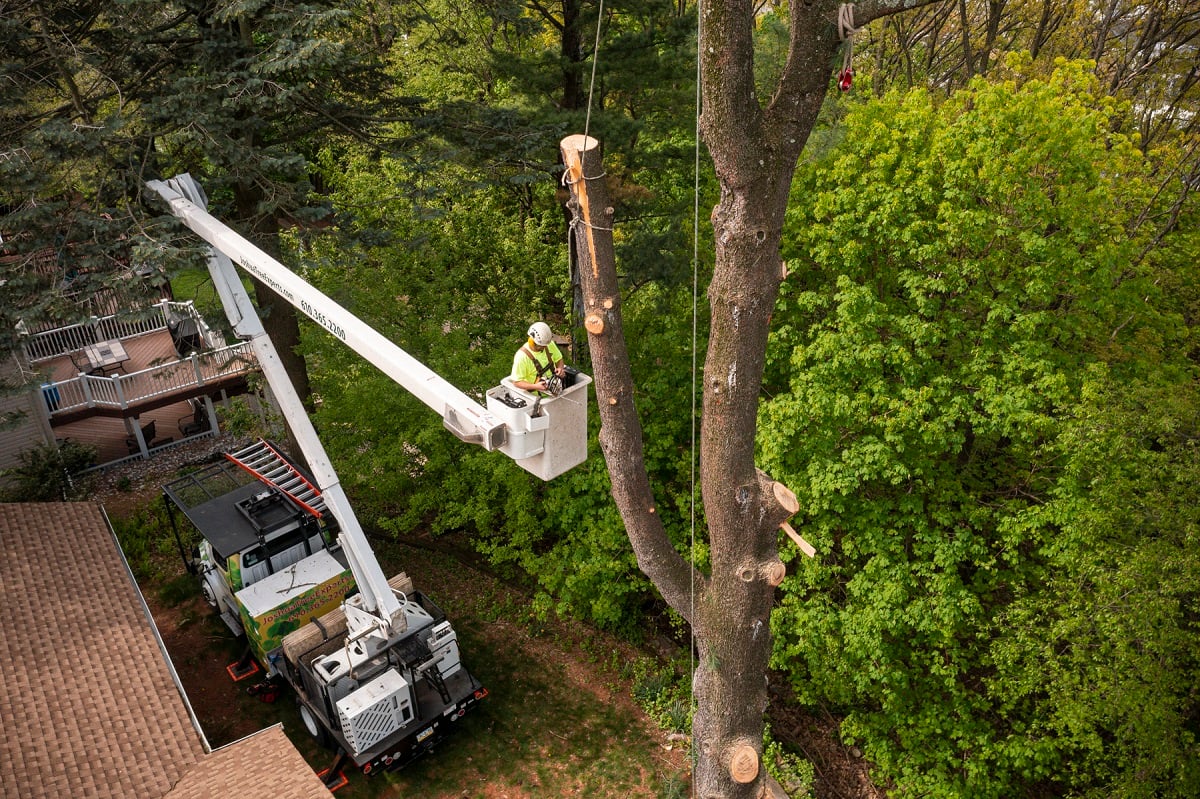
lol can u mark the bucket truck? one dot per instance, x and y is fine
(377, 672)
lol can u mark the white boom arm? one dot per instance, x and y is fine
(461, 415)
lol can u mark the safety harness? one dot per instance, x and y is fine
(541, 369)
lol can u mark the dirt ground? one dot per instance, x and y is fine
(201, 647)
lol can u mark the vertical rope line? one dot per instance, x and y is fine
(587, 121)
(692, 447)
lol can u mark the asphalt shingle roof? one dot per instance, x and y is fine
(90, 708)
(264, 765)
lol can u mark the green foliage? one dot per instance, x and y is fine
(50, 473)
(795, 774)
(504, 82)
(663, 692)
(247, 417)
(1105, 656)
(100, 96)
(1140, 52)
(149, 545)
(674, 787)
(958, 267)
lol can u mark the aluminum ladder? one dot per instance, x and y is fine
(266, 463)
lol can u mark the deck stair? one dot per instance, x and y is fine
(264, 462)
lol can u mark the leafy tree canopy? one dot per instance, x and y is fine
(970, 290)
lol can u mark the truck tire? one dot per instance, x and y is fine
(315, 728)
(207, 592)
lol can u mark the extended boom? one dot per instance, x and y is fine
(546, 445)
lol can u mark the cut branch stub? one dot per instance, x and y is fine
(785, 497)
(743, 764)
(594, 324)
(778, 501)
(774, 573)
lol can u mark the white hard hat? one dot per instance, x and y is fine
(539, 332)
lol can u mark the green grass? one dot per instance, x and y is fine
(196, 285)
(176, 591)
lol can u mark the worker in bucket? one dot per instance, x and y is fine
(538, 365)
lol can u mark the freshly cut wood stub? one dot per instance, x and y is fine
(778, 501)
(594, 324)
(743, 765)
(775, 572)
(578, 143)
(785, 497)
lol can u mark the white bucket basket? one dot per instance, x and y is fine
(552, 442)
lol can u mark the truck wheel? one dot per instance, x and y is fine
(207, 592)
(315, 728)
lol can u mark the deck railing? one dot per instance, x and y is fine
(64, 340)
(125, 390)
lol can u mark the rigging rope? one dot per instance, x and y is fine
(692, 443)
(587, 121)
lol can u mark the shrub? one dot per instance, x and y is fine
(50, 473)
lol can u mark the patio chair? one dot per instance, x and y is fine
(195, 422)
(149, 435)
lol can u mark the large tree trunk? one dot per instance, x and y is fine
(754, 151)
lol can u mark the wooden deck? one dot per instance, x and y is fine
(150, 391)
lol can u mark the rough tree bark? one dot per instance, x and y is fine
(755, 149)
